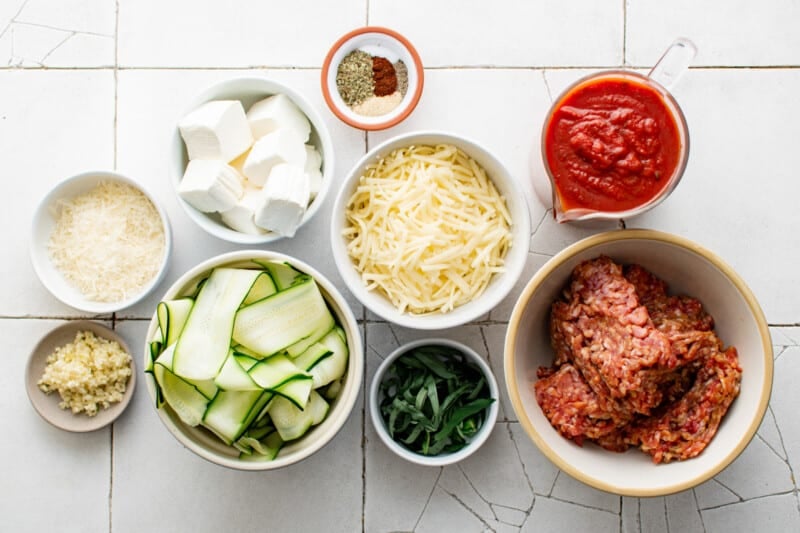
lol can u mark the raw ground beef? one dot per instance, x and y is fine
(635, 366)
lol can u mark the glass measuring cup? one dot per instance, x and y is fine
(589, 176)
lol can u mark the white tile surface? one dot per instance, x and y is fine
(740, 172)
(51, 135)
(206, 33)
(514, 33)
(98, 84)
(726, 32)
(68, 474)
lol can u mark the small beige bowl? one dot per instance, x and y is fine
(250, 90)
(500, 285)
(688, 269)
(376, 397)
(44, 221)
(201, 441)
(47, 404)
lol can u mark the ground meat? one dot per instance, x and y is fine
(688, 424)
(635, 366)
(609, 337)
(572, 407)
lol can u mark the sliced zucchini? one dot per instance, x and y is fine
(265, 449)
(291, 422)
(296, 391)
(172, 316)
(331, 368)
(274, 371)
(231, 412)
(203, 345)
(263, 287)
(184, 399)
(283, 274)
(233, 377)
(206, 387)
(296, 314)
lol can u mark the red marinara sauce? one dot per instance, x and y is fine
(612, 144)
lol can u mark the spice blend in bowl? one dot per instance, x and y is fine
(433, 401)
(371, 85)
(372, 78)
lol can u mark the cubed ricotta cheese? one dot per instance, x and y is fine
(240, 217)
(278, 112)
(210, 186)
(273, 149)
(283, 200)
(216, 130)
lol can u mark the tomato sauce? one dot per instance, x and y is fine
(612, 144)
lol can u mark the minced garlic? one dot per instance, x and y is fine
(89, 373)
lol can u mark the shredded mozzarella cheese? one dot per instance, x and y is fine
(427, 228)
(108, 243)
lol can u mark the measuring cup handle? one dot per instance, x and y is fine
(673, 63)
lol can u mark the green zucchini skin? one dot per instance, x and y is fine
(244, 355)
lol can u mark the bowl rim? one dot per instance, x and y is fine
(412, 102)
(355, 362)
(43, 266)
(64, 418)
(442, 459)
(266, 87)
(634, 234)
(521, 228)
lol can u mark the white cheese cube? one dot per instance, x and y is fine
(278, 112)
(284, 200)
(210, 186)
(313, 158)
(273, 149)
(216, 130)
(240, 217)
(312, 169)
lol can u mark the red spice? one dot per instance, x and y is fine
(384, 75)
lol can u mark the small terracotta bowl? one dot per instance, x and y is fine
(379, 42)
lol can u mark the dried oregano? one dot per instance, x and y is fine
(354, 78)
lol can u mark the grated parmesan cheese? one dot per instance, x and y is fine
(88, 373)
(108, 243)
(427, 228)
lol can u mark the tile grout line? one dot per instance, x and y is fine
(432, 68)
(114, 314)
(364, 431)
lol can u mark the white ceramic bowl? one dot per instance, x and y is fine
(688, 269)
(44, 221)
(210, 447)
(249, 91)
(501, 283)
(381, 42)
(375, 398)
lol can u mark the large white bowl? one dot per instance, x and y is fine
(210, 447)
(44, 221)
(501, 283)
(688, 269)
(250, 90)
